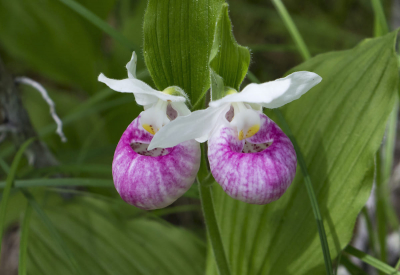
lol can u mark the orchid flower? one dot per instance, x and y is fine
(152, 179)
(249, 155)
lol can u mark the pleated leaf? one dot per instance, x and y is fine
(103, 242)
(339, 126)
(229, 61)
(178, 36)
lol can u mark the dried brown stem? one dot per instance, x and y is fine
(15, 121)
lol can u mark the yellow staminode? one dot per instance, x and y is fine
(149, 129)
(241, 135)
(251, 132)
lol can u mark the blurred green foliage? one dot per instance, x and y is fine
(51, 43)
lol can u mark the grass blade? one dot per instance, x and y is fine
(23, 244)
(352, 268)
(380, 24)
(53, 231)
(381, 196)
(294, 32)
(379, 265)
(61, 182)
(98, 22)
(4, 165)
(371, 233)
(310, 189)
(8, 184)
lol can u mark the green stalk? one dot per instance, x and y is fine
(213, 229)
(310, 189)
(379, 265)
(210, 218)
(294, 32)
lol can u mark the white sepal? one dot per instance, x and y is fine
(275, 93)
(198, 124)
(144, 94)
(131, 66)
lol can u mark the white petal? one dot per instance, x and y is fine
(154, 117)
(196, 125)
(144, 94)
(131, 66)
(247, 123)
(276, 93)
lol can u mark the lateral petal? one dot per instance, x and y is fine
(144, 94)
(198, 124)
(275, 93)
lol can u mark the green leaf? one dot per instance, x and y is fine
(8, 185)
(103, 244)
(339, 126)
(178, 36)
(228, 60)
(56, 238)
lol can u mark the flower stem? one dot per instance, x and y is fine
(210, 218)
(213, 229)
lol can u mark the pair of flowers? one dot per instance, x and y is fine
(158, 156)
